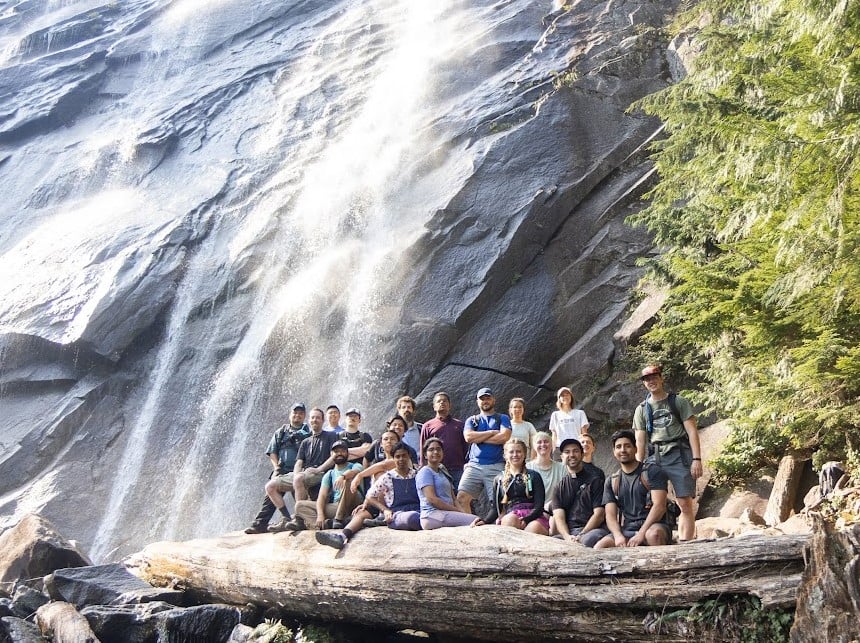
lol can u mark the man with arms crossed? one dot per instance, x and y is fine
(673, 443)
(487, 432)
(634, 498)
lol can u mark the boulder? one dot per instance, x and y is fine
(34, 548)
(106, 585)
(6, 607)
(60, 622)
(159, 622)
(17, 630)
(26, 600)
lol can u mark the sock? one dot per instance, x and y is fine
(286, 512)
(347, 533)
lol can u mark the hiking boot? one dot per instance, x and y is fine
(337, 524)
(296, 524)
(330, 540)
(327, 523)
(277, 527)
(256, 528)
(379, 521)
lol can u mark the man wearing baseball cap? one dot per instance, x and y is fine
(487, 433)
(335, 502)
(577, 500)
(283, 450)
(667, 435)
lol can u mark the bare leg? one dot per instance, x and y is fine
(299, 489)
(687, 520)
(464, 502)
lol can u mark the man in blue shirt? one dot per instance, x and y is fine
(487, 433)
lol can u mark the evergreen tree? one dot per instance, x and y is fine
(757, 215)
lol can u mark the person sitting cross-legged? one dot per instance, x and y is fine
(393, 494)
(436, 491)
(635, 499)
(335, 501)
(518, 493)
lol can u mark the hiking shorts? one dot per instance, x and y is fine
(477, 478)
(676, 464)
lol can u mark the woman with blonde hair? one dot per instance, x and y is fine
(519, 493)
(567, 422)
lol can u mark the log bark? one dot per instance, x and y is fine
(784, 492)
(493, 583)
(828, 602)
(61, 623)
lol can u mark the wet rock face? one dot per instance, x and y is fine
(213, 212)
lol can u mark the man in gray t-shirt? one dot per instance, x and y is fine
(673, 443)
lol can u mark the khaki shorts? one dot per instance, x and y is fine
(286, 482)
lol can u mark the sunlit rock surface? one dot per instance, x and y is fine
(215, 208)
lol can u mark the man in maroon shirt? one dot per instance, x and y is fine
(450, 431)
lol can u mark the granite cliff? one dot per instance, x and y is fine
(216, 208)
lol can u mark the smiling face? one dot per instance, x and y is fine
(624, 450)
(341, 455)
(297, 417)
(587, 445)
(543, 444)
(515, 454)
(316, 420)
(572, 457)
(398, 426)
(332, 416)
(433, 452)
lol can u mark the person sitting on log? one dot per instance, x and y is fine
(551, 472)
(635, 499)
(436, 491)
(518, 493)
(577, 500)
(376, 453)
(587, 448)
(393, 495)
(310, 466)
(372, 470)
(335, 501)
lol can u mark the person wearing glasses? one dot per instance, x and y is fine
(436, 491)
(667, 435)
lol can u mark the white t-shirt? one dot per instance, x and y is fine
(564, 425)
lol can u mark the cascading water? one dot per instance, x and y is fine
(215, 208)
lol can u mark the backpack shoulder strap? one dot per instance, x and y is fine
(673, 404)
(649, 415)
(643, 478)
(616, 484)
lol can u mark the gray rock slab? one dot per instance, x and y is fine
(159, 622)
(110, 584)
(17, 630)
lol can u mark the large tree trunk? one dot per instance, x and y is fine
(488, 582)
(828, 602)
(784, 492)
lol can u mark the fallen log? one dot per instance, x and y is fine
(490, 582)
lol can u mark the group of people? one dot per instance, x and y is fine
(427, 476)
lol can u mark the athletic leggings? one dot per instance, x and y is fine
(439, 518)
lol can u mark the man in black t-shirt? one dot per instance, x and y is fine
(358, 442)
(635, 499)
(577, 500)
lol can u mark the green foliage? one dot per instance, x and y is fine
(757, 211)
(271, 631)
(733, 618)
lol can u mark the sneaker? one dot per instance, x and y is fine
(337, 524)
(379, 521)
(296, 524)
(327, 523)
(329, 539)
(279, 526)
(256, 528)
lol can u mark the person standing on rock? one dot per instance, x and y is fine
(566, 422)
(332, 419)
(520, 428)
(283, 450)
(450, 431)
(357, 441)
(577, 500)
(634, 499)
(308, 470)
(406, 410)
(667, 435)
(487, 433)
(587, 448)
